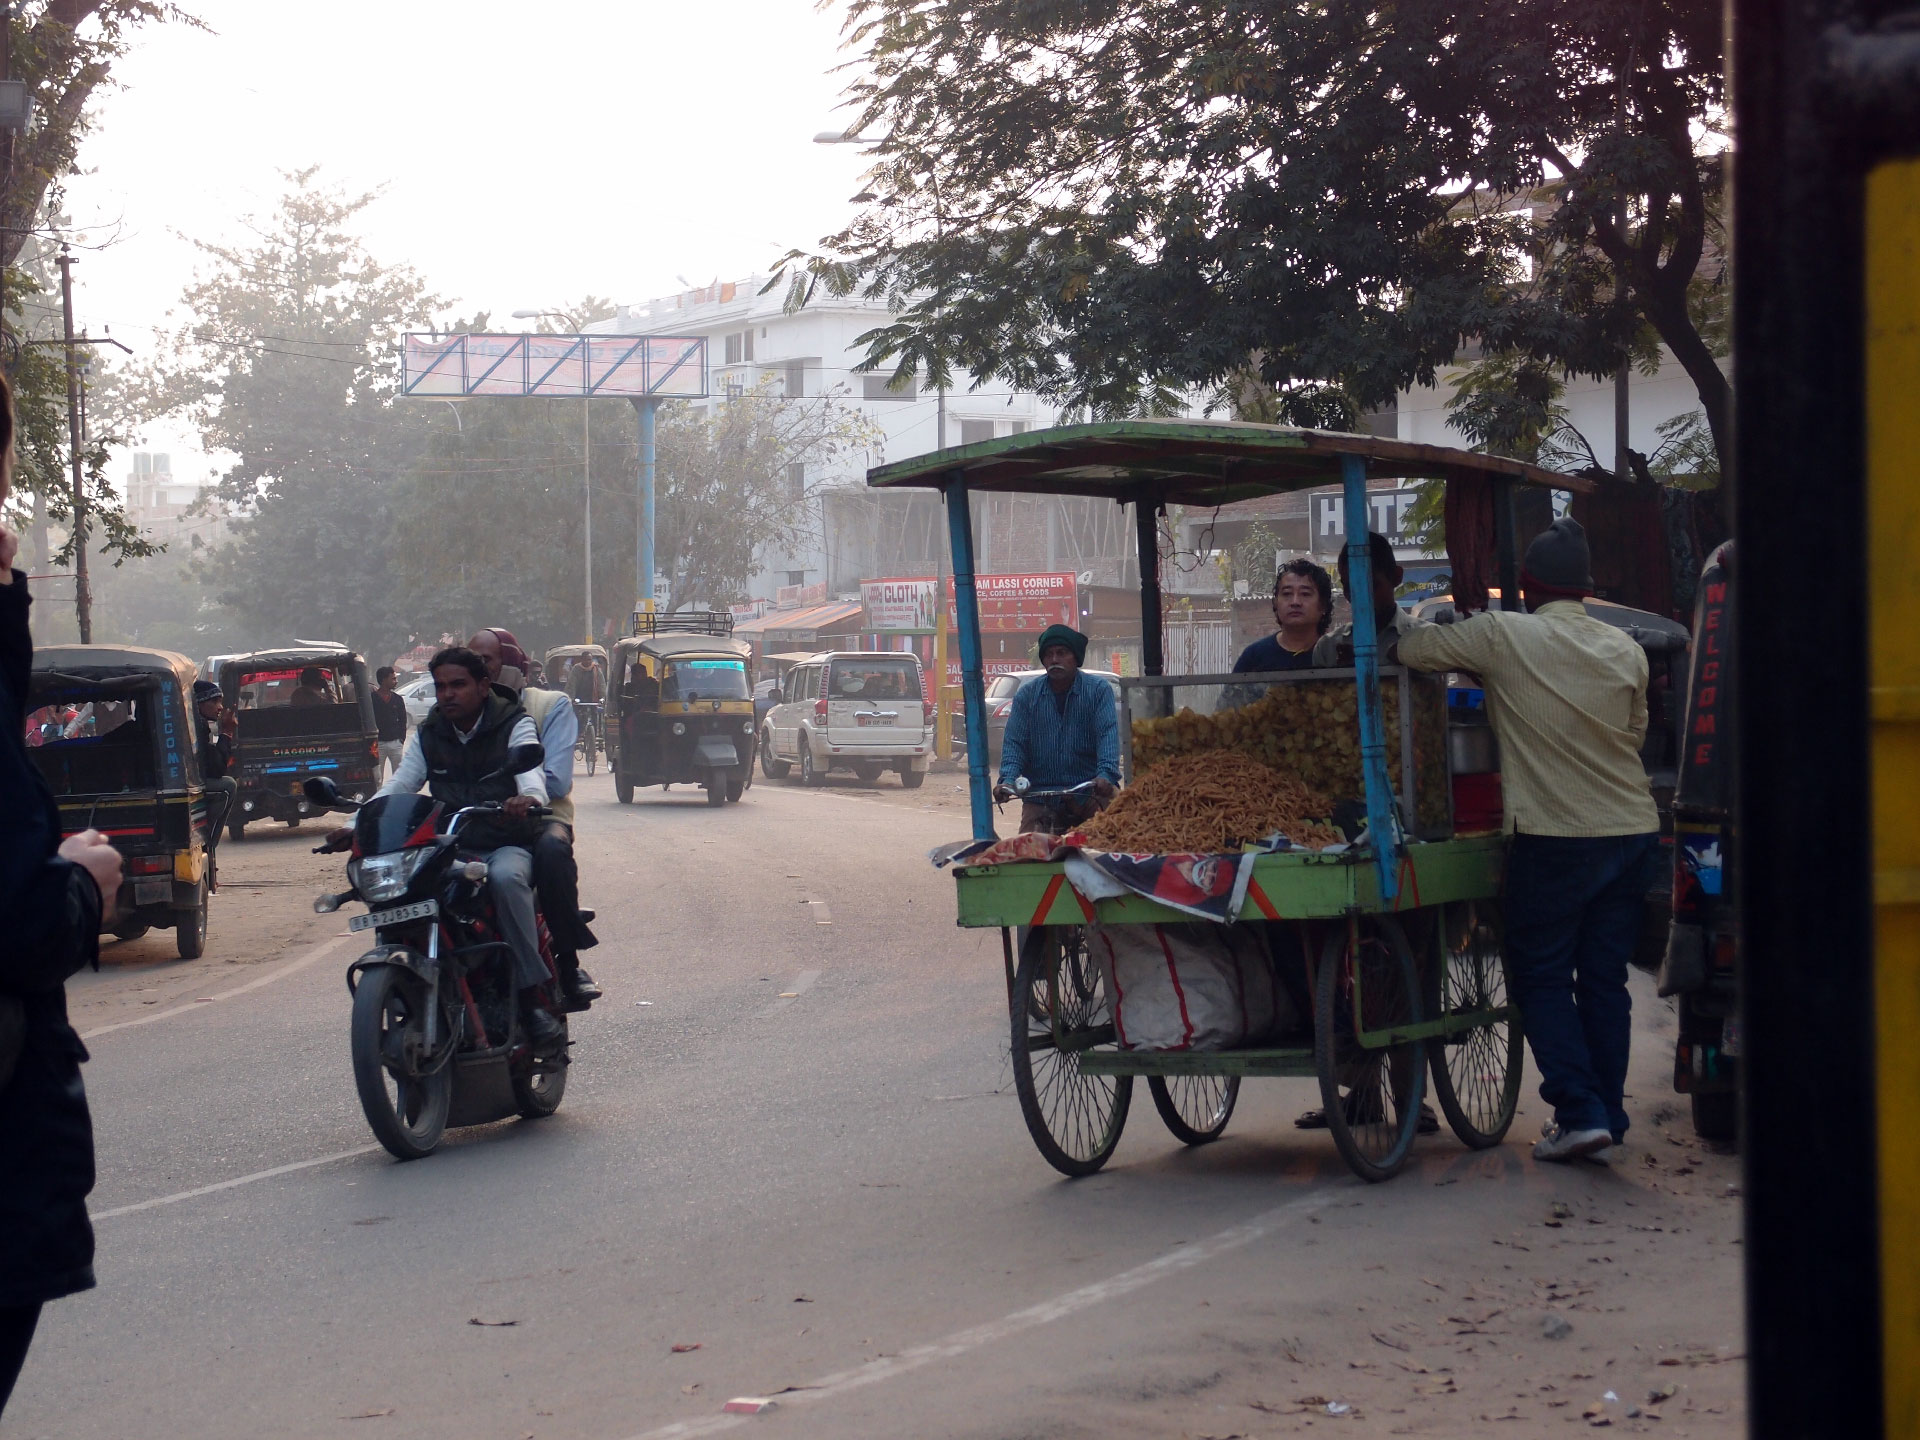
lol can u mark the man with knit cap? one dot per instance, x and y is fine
(1567, 695)
(1061, 732)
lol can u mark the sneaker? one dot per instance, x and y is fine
(1560, 1144)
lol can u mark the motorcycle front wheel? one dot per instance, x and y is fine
(408, 1113)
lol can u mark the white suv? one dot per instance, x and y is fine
(858, 710)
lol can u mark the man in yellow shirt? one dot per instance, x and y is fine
(1567, 695)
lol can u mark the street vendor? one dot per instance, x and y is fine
(1390, 621)
(1061, 732)
(1567, 695)
(1302, 609)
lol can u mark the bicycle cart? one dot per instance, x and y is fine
(587, 712)
(1392, 947)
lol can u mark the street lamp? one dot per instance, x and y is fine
(942, 721)
(586, 464)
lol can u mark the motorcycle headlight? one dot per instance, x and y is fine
(386, 877)
(679, 728)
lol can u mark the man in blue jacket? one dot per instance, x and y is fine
(55, 895)
(1061, 732)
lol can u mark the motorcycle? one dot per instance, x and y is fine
(438, 1041)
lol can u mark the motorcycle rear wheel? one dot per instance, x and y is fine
(408, 1115)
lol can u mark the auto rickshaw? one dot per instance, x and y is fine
(111, 730)
(588, 713)
(678, 707)
(303, 710)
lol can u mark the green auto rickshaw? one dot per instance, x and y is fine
(679, 709)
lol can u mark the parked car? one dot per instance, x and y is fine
(417, 696)
(1000, 692)
(858, 710)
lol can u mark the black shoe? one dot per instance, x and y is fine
(543, 1030)
(1363, 1114)
(577, 990)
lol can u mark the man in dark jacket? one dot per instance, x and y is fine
(214, 727)
(54, 896)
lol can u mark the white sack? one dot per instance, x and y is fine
(1189, 987)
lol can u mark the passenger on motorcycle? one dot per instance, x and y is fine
(459, 753)
(556, 875)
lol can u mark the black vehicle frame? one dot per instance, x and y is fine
(279, 746)
(110, 729)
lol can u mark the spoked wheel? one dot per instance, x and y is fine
(1075, 1119)
(408, 1112)
(1476, 1074)
(1071, 964)
(589, 750)
(1367, 982)
(1195, 1107)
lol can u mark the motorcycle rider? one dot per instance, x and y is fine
(457, 753)
(555, 872)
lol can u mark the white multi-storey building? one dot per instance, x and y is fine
(751, 338)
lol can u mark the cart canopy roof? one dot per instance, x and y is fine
(114, 662)
(1193, 462)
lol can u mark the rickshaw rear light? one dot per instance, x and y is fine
(149, 864)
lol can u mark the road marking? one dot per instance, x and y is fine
(961, 1342)
(799, 986)
(318, 952)
(234, 1184)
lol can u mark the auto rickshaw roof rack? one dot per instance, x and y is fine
(684, 622)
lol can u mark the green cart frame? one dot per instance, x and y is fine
(1400, 943)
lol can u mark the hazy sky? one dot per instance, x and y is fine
(529, 154)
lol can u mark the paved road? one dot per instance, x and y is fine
(790, 1141)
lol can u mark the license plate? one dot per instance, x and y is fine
(865, 720)
(375, 919)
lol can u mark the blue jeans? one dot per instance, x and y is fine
(1573, 913)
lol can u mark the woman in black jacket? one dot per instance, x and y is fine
(54, 896)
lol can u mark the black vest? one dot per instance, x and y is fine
(454, 769)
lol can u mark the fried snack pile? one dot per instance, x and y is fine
(1208, 802)
(1310, 729)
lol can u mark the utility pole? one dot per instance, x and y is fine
(82, 586)
(586, 475)
(643, 504)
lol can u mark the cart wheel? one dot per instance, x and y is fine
(1476, 1074)
(1374, 1123)
(1074, 966)
(1195, 1107)
(592, 751)
(1075, 1119)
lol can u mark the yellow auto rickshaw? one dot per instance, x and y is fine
(679, 710)
(111, 729)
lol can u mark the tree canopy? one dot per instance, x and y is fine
(1099, 199)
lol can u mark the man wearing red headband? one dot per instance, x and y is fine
(555, 873)
(1567, 695)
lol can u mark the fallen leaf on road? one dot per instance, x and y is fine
(1397, 1345)
(1438, 1387)
(1434, 1283)
(686, 1349)
(1664, 1392)
(368, 1415)
(476, 1320)
(690, 1389)
(801, 1300)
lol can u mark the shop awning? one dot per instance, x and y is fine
(838, 617)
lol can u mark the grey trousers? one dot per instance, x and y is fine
(510, 873)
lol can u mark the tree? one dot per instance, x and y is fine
(288, 357)
(64, 50)
(727, 486)
(1097, 198)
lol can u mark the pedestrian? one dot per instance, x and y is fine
(55, 896)
(1061, 733)
(1567, 695)
(1302, 611)
(1384, 575)
(216, 726)
(390, 720)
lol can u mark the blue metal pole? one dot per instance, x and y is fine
(1366, 672)
(643, 539)
(966, 605)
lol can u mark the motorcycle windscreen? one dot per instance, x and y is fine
(391, 822)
